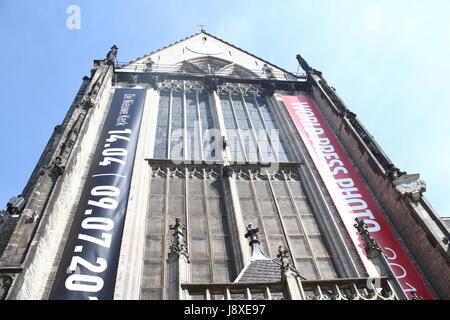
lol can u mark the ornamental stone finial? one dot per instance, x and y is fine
(149, 64)
(178, 227)
(283, 255)
(111, 56)
(257, 253)
(178, 245)
(372, 247)
(202, 27)
(252, 233)
(305, 66)
(287, 269)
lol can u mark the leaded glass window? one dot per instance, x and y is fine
(176, 140)
(185, 127)
(162, 126)
(207, 125)
(252, 131)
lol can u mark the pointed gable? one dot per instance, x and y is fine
(205, 53)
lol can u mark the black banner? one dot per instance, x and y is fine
(89, 263)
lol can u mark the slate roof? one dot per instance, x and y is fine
(261, 271)
(261, 268)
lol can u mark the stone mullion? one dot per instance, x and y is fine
(283, 224)
(208, 229)
(236, 122)
(318, 196)
(285, 125)
(249, 119)
(186, 208)
(185, 140)
(165, 249)
(225, 153)
(235, 218)
(154, 123)
(200, 128)
(260, 218)
(263, 121)
(177, 262)
(302, 225)
(238, 223)
(169, 125)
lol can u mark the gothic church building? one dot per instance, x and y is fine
(200, 171)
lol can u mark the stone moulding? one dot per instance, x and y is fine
(410, 185)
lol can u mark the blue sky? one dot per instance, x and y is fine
(388, 60)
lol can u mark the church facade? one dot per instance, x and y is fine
(200, 171)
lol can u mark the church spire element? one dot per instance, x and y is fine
(257, 253)
(202, 28)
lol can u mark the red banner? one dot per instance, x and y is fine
(350, 195)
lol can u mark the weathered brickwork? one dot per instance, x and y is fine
(418, 226)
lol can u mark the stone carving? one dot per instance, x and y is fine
(33, 217)
(182, 85)
(410, 185)
(111, 56)
(372, 247)
(253, 173)
(211, 83)
(269, 87)
(267, 71)
(240, 88)
(149, 65)
(15, 205)
(86, 103)
(288, 270)
(283, 255)
(134, 78)
(56, 168)
(227, 172)
(178, 245)
(5, 284)
(155, 81)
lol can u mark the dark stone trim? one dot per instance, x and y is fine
(212, 81)
(184, 163)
